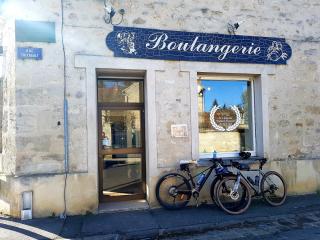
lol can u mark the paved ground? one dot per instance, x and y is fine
(300, 226)
(298, 217)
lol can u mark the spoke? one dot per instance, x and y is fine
(270, 181)
(183, 191)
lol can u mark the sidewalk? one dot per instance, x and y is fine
(160, 223)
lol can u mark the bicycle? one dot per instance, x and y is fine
(174, 190)
(270, 185)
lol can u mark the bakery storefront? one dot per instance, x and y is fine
(94, 112)
(226, 105)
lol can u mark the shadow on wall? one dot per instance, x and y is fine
(12, 228)
(301, 176)
(5, 191)
(316, 166)
(16, 229)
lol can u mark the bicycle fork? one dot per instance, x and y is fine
(234, 194)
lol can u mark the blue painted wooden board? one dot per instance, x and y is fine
(35, 31)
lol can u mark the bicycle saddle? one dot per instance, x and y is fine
(184, 164)
(245, 155)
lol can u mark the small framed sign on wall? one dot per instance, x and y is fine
(179, 130)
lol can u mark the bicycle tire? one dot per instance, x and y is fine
(226, 202)
(169, 187)
(214, 185)
(273, 200)
(213, 188)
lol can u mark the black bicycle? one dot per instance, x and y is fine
(174, 190)
(270, 185)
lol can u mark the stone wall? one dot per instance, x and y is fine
(33, 93)
(9, 110)
(39, 102)
(172, 107)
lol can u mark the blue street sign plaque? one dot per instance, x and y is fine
(192, 46)
(29, 53)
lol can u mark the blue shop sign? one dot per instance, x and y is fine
(29, 53)
(191, 46)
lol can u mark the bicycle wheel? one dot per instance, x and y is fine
(233, 202)
(213, 188)
(173, 191)
(273, 188)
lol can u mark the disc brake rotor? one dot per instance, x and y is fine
(234, 195)
(173, 191)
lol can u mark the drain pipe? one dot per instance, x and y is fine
(66, 136)
(66, 155)
(65, 119)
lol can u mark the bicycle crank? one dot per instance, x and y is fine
(195, 194)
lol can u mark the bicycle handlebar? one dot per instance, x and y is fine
(235, 162)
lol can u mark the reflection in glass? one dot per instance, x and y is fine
(120, 138)
(122, 174)
(121, 171)
(120, 91)
(121, 129)
(225, 116)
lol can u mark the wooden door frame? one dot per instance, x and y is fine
(121, 106)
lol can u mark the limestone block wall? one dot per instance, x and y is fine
(33, 94)
(33, 156)
(172, 107)
(2, 23)
(8, 112)
(39, 100)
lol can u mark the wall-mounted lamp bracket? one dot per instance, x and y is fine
(110, 13)
(233, 27)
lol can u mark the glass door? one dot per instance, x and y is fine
(121, 141)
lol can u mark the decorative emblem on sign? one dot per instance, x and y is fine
(229, 123)
(192, 46)
(126, 42)
(275, 52)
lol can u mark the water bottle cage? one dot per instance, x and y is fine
(201, 180)
(221, 170)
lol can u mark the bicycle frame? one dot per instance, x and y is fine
(191, 178)
(223, 171)
(261, 174)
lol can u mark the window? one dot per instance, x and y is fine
(226, 115)
(120, 91)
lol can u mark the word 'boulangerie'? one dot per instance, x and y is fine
(160, 41)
